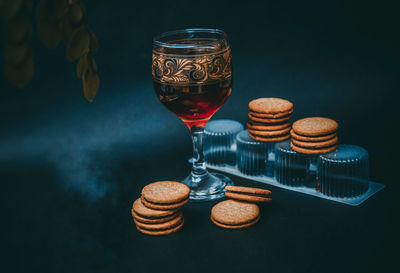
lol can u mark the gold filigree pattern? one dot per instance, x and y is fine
(191, 69)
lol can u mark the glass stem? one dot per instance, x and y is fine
(199, 166)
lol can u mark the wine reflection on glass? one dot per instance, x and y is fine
(192, 77)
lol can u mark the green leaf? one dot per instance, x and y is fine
(49, 34)
(91, 84)
(10, 8)
(91, 63)
(17, 30)
(22, 74)
(14, 55)
(67, 30)
(56, 9)
(82, 66)
(42, 11)
(78, 45)
(75, 14)
(94, 44)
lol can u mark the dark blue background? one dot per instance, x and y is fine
(70, 170)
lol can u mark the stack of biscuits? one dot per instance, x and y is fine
(269, 119)
(157, 211)
(315, 135)
(240, 211)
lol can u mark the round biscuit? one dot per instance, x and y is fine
(173, 206)
(247, 197)
(165, 192)
(270, 105)
(315, 145)
(146, 212)
(264, 115)
(268, 120)
(153, 220)
(269, 133)
(251, 190)
(315, 126)
(161, 232)
(269, 139)
(232, 212)
(271, 127)
(312, 151)
(235, 226)
(312, 138)
(160, 226)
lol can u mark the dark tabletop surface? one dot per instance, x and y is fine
(70, 170)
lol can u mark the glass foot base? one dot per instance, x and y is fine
(209, 186)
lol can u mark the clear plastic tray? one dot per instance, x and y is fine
(341, 176)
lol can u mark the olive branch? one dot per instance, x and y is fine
(57, 21)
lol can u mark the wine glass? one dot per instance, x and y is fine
(192, 77)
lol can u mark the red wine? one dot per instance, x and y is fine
(194, 104)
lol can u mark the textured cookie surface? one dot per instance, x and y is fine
(250, 190)
(248, 194)
(235, 226)
(160, 226)
(268, 120)
(161, 232)
(165, 192)
(144, 211)
(270, 106)
(264, 127)
(315, 144)
(269, 139)
(269, 133)
(312, 138)
(153, 220)
(315, 126)
(172, 206)
(312, 151)
(247, 197)
(232, 212)
(263, 115)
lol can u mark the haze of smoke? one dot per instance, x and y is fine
(71, 142)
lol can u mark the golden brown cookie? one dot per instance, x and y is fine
(312, 151)
(268, 120)
(272, 107)
(165, 192)
(235, 226)
(262, 115)
(160, 226)
(269, 139)
(263, 127)
(269, 133)
(170, 206)
(248, 194)
(235, 214)
(146, 212)
(315, 126)
(311, 138)
(315, 144)
(161, 232)
(153, 220)
(247, 198)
